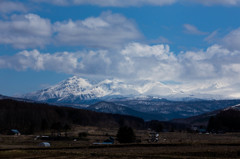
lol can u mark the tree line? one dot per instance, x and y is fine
(29, 118)
(227, 121)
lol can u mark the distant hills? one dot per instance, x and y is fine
(29, 117)
(203, 119)
(161, 109)
(140, 98)
(113, 108)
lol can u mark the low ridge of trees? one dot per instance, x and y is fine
(228, 121)
(33, 117)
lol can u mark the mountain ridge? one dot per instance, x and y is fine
(113, 108)
(77, 89)
(135, 96)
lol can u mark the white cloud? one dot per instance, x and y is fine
(160, 40)
(143, 50)
(215, 70)
(106, 31)
(148, 62)
(59, 62)
(126, 3)
(31, 31)
(25, 31)
(212, 37)
(71, 63)
(191, 29)
(10, 6)
(112, 3)
(136, 60)
(232, 40)
(216, 2)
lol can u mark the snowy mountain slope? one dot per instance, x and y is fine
(203, 119)
(143, 96)
(76, 89)
(108, 107)
(177, 109)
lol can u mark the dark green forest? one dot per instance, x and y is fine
(29, 117)
(226, 121)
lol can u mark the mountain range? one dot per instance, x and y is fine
(146, 99)
(79, 90)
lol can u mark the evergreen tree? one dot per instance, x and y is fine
(126, 135)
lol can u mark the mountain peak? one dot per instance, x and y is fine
(77, 88)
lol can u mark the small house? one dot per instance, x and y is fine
(44, 144)
(14, 132)
(109, 141)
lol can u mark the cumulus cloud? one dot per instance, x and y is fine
(232, 40)
(10, 6)
(112, 3)
(214, 70)
(31, 31)
(25, 31)
(59, 62)
(148, 62)
(71, 63)
(106, 31)
(136, 60)
(191, 29)
(216, 2)
(126, 3)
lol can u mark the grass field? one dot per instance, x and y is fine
(173, 145)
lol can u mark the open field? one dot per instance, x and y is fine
(174, 145)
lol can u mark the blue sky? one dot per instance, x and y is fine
(192, 45)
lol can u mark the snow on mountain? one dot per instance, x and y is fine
(143, 98)
(114, 108)
(76, 88)
(235, 107)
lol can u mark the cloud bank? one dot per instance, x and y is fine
(126, 3)
(25, 31)
(31, 31)
(216, 68)
(112, 3)
(106, 31)
(216, 2)
(11, 6)
(232, 40)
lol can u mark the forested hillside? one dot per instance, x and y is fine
(32, 117)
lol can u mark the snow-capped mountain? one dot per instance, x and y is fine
(78, 90)
(114, 108)
(138, 98)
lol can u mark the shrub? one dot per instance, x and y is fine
(82, 135)
(126, 135)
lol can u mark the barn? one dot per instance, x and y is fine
(45, 144)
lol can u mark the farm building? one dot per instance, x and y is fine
(14, 132)
(45, 144)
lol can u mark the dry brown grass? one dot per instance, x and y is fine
(170, 146)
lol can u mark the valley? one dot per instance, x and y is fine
(171, 145)
(79, 133)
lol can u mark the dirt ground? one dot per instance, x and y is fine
(171, 145)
